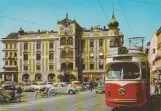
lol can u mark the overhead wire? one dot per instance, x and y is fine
(22, 21)
(102, 9)
(150, 3)
(125, 18)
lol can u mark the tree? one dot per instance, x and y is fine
(60, 77)
(72, 77)
(91, 28)
(38, 31)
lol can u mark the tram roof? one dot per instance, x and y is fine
(132, 51)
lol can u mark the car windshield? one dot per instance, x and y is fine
(123, 71)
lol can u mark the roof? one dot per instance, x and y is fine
(12, 35)
(158, 32)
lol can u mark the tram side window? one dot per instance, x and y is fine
(143, 70)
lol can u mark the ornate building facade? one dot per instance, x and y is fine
(72, 50)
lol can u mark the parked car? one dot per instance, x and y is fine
(27, 88)
(77, 85)
(48, 85)
(63, 88)
(100, 88)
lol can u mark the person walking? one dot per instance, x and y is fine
(19, 90)
(91, 85)
(157, 86)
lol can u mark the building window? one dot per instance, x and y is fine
(70, 41)
(10, 54)
(63, 41)
(15, 63)
(153, 62)
(38, 45)
(11, 46)
(6, 46)
(83, 66)
(6, 63)
(6, 54)
(100, 42)
(15, 46)
(63, 53)
(38, 57)
(70, 66)
(15, 54)
(114, 42)
(100, 65)
(153, 51)
(100, 56)
(51, 67)
(25, 46)
(91, 43)
(25, 57)
(25, 67)
(10, 62)
(91, 66)
(83, 44)
(51, 56)
(51, 45)
(38, 67)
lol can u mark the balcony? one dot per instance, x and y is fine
(10, 68)
(158, 57)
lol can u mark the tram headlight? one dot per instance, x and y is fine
(122, 92)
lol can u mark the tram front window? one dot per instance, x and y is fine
(130, 71)
(123, 71)
(114, 71)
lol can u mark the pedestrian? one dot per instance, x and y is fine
(19, 90)
(91, 85)
(157, 86)
(13, 95)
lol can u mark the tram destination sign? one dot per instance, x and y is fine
(122, 58)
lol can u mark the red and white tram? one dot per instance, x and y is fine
(127, 78)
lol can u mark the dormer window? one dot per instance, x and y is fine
(114, 42)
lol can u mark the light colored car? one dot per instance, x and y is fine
(37, 86)
(64, 88)
(27, 87)
(48, 85)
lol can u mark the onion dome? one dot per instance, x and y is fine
(21, 31)
(113, 22)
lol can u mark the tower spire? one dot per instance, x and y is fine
(113, 16)
(113, 8)
(66, 15)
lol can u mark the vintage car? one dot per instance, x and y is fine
(63, 88)
(77, 85)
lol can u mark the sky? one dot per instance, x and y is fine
(137, 18)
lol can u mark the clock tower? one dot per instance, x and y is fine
(69, 33)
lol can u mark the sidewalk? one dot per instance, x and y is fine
(152, 89)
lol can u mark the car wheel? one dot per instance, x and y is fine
(52, 93)
(18, 99)
(70, 92)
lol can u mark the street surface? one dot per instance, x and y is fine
(82, 101)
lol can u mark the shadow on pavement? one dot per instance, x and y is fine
(156, 102)
(154, 105)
